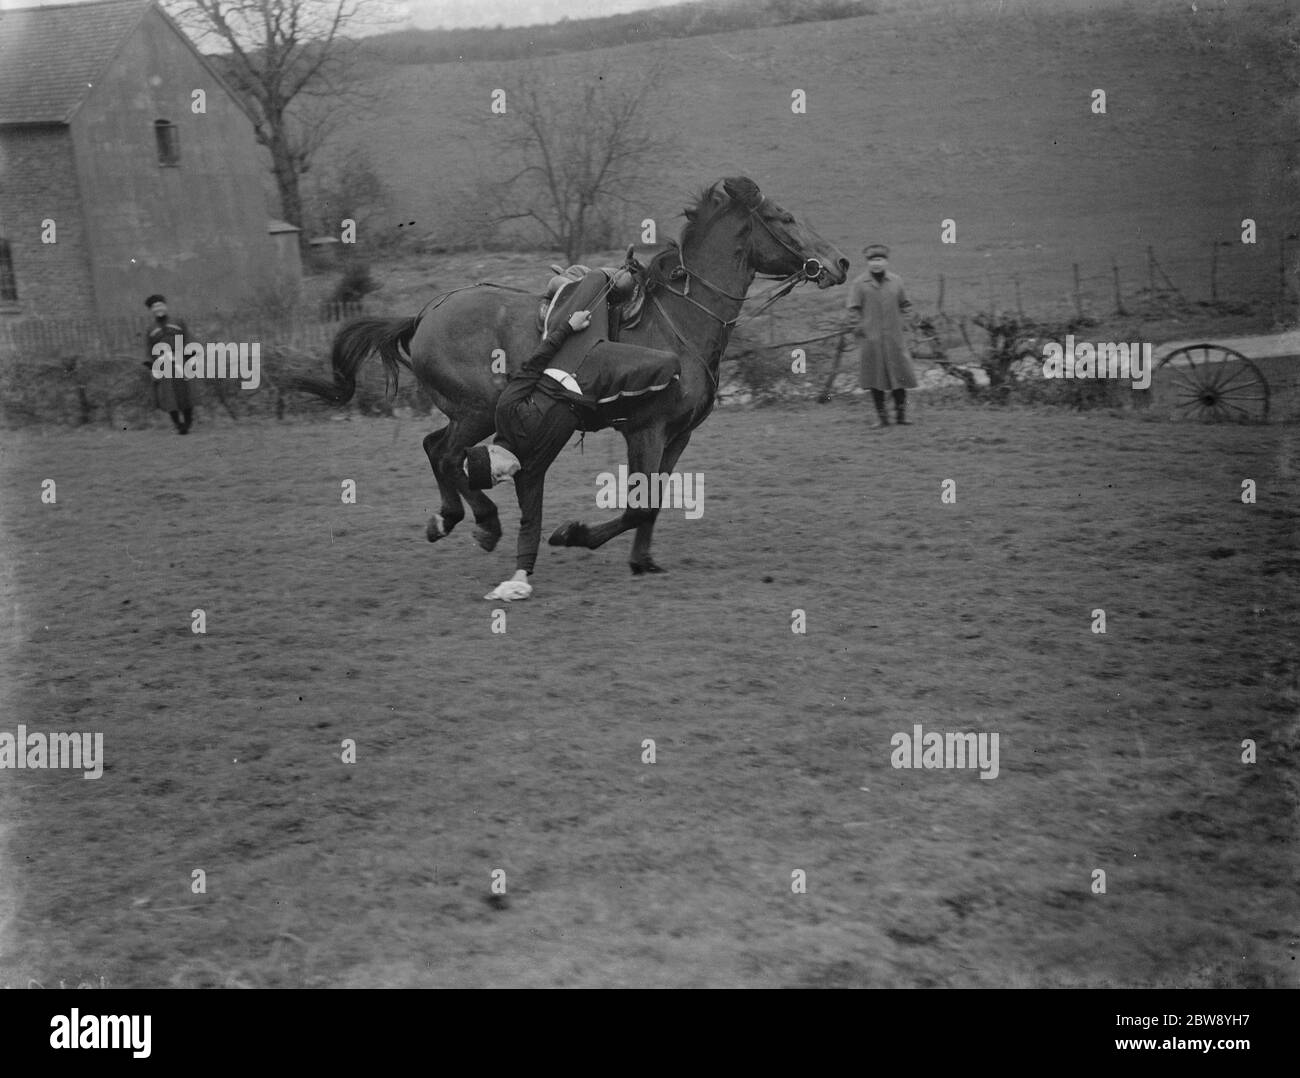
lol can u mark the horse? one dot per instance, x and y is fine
(694, 292)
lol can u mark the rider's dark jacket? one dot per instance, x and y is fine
(536, 414)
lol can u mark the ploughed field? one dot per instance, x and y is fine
(523, 750)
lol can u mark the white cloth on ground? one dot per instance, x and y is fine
(510, 590)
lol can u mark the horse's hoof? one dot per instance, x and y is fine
(574, 533)
(433, 531)
(647, 566)
(486, 538)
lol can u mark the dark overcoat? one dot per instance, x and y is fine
(884, 312)
(170, 394)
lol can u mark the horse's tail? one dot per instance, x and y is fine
(352, 346)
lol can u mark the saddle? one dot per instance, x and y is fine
(625, 315)
(609, 390)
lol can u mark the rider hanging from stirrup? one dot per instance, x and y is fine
(553, 395)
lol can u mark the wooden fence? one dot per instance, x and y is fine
(78, 371)
(63, 339)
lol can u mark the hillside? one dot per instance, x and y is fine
(678, 20)
(917, 116)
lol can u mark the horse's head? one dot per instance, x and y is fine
(780, 246)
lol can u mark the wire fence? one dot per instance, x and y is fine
(1235, 277)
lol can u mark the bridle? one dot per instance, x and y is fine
(811, 269)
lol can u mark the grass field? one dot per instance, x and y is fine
(522, 751)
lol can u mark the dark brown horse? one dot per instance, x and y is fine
(695, 292)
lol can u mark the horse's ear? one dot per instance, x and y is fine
(743, 190)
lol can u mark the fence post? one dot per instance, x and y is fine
(939, 304)
(1214, 271)
(1151, 272)
(1078, 298)
(1281, 270)
(1119, 298)
(1168, 283)
(1020, 307)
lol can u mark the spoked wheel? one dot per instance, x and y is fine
(1211, 384)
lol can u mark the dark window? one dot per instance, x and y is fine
(169, 142)
(8, 284)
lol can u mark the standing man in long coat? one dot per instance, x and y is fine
(883, 313)
(172, 395)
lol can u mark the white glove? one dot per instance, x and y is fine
(517, 587)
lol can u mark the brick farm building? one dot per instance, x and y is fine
(121, 143)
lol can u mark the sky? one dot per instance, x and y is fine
(427, 14)
(454, 13)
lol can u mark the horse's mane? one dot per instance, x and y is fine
(710, 203)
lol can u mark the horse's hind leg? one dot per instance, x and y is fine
(451, 512)
(442, 448)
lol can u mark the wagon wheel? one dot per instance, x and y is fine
(1211, 383)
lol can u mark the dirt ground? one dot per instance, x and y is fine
(523, 751)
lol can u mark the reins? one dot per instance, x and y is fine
(437, 300)
(811, 269)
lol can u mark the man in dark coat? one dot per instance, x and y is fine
(558, 391)
(883, 314)
(172, 395)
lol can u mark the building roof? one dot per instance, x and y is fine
(50, 57)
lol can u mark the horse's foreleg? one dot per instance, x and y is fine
(645, 448)
(640, 560)
(442, 449)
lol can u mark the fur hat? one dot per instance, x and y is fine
(873, 250)
(155, 298)
(478, 466)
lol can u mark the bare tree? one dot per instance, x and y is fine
(572, 155)
(289, 60)
(343, 184)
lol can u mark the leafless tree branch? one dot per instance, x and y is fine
(567, 158)
(290, 60)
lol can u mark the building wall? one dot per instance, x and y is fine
(288, 262)
(38, 180)
(196, 232)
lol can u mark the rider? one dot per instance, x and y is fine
(543, 404)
